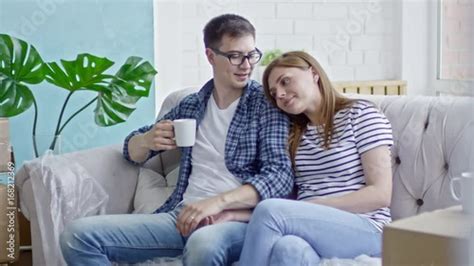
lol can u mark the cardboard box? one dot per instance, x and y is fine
(5, 157)
(4, 145)
(4, 130)
(9, 227)
(441, 237)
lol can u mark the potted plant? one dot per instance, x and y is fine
(268, 56)
(21, 66)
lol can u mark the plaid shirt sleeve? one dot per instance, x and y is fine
(275, 178)
(171, 115)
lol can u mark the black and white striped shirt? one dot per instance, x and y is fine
(338, 170)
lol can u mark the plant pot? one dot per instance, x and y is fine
(47, 142)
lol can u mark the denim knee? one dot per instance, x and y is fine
(267, 210)
(293, 250)
(72, 238)
(218, 244)
(204, 247)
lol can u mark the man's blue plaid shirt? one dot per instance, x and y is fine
(255, 149)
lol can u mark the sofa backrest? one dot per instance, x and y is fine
(433, 142)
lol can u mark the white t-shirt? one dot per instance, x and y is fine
(338, 170)
(209, 175)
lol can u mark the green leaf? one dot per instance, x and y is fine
(20, 64)
(269, 56)
(130, 83)
(15, 98)
(134, 77)
(84, 73)
(113, 109)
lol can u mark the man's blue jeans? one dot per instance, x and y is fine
(289, 232)
(133, 238)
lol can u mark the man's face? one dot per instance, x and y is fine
(226, 73)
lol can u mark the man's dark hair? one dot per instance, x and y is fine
(228, 24)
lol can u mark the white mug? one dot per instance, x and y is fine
(466, 197)
(184, 132)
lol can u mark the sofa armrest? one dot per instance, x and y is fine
(107, 165)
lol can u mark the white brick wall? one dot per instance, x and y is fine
(322, 11)
(353, 40)
(355, 58)
(457, 37)
(274, 26)
(288, 10)
(294, 42)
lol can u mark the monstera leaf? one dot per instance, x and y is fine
(20, 64)
(84, 73)
(132, 81)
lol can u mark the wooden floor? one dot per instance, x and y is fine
(25, 258)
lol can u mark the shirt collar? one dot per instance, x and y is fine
(206, 91)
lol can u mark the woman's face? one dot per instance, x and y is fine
(295, 90)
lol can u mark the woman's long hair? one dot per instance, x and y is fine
(331, 100)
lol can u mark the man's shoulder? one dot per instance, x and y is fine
(196, 96)
(255, 88)
(255, 94)
(260, 108)
(190, 100)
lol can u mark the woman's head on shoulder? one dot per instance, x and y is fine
(296, 83)
(292, 82)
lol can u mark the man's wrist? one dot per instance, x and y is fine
(240, 198)
(223, 200)
(142, 142)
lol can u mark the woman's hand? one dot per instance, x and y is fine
(232, 215)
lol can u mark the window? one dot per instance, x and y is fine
(456, 37)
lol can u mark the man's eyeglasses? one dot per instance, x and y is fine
(237, 59)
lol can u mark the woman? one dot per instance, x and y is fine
(340, 150)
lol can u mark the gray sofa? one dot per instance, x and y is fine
(433, 143)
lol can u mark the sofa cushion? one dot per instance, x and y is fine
(152, 190)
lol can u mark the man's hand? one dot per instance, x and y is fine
(225, 216)
(160, 137)
(194, 213)
(239, 200)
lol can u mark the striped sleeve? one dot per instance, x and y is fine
(371, 127)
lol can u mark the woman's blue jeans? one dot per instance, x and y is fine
(288, 232)
(133, 238)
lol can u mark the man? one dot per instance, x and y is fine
(239, 158)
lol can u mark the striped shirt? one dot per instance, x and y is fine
(338, 170)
